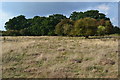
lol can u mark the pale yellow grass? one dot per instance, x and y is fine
(59, 57)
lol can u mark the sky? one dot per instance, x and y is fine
(8, 10)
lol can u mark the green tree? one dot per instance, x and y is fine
(90, 13)
(16, 23)
(53, 20)
(85, 27)
(101, 30)
(76, 15)
(79, 24)
(45, 25)
(37, 27)
(64, 27)
(108, 27)
(116, 30)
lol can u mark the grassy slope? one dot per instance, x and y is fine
(57, 57)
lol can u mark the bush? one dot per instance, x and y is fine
(85, 27)
(11, 33)
(65, 27)
(101, 30)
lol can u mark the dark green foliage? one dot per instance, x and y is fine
(108, 27)
(53, 21)
(116, 30)
(37, 27)
(90, 13)
(76, 15)
(86, 24)
(17, 23)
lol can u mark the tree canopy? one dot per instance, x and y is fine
(90, 13)
(88, 23)
(85, 27)
(17, 23)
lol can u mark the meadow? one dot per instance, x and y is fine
(59, 57)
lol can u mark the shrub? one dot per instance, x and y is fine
(11, 33)
(101, 30)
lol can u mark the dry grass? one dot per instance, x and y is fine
(59, 57)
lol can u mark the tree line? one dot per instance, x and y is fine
(88, 23)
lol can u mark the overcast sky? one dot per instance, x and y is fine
(30, 9)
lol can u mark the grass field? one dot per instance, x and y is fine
(59, 57)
